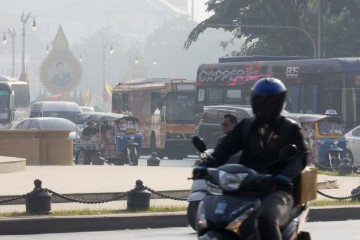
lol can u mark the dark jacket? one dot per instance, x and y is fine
(260, 151)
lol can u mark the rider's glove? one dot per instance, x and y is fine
(282, 182)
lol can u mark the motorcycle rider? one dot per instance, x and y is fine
(260, 139)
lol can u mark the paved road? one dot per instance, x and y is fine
(344, 230)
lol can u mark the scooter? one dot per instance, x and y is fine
(231, 214)
(199, 189)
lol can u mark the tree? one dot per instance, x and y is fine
(270, 13)
(341, 24)
(341, 17)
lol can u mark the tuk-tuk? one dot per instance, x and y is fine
(325, 137)
(117, 137)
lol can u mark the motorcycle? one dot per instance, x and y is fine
(231, 214)
(199, 189)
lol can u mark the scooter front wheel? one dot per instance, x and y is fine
(214, 235)
(191, 213)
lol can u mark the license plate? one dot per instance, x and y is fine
(220, 208)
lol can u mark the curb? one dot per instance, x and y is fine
(36, 225)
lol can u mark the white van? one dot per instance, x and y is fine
(59, 109)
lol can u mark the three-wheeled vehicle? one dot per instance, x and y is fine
(325, 136)
(116, 137)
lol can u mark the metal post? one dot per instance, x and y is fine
(192, 10)
(12, 34)
(319, 29)
(24, 20)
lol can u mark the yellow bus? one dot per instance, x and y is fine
(165, 107)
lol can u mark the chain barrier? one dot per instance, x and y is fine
(165, 196)
(12, 199)
(121, 196)
(339, 198)
(117, 197)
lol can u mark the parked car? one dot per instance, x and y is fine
(59, 109)
(48, 123)
(209, 128)
(353, 146)
(87, 109)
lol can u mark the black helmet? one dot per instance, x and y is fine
(267, 99)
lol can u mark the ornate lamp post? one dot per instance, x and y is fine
(111, 51)
(12, 34)
(25, 21)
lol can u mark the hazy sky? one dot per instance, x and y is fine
(200, 10)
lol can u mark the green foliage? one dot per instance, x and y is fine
(82, 212)
(336, 173)
(328, 202)
(340, 22)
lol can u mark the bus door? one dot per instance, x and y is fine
(302, 98)
(350, 106)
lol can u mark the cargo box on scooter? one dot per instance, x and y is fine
(306, 190)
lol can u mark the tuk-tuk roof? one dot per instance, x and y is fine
(101, 117)
(308, 117)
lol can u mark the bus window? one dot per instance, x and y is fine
(308, 103)
(116, 103)
(214, 96)
(233, 96)
(125, 103)
(155, 101)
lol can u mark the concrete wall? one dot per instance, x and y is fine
(38, 147)
(12, 164)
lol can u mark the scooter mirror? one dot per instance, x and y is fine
(288, 151)
(198, 144)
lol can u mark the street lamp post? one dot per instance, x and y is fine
(25, 21)
(111, 51)
(12, 34)
(267, 26)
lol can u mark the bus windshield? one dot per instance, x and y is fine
(22, 95)
(180, 107)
